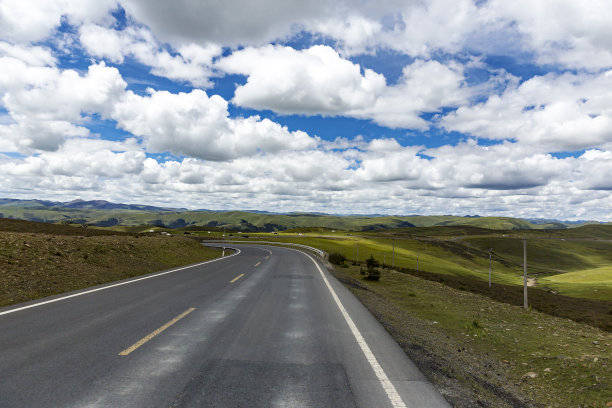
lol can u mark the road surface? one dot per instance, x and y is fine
(267, 327)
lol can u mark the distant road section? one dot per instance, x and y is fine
(268, 327)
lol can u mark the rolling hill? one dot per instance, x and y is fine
(107, 214)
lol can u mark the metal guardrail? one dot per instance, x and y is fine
(321, 254)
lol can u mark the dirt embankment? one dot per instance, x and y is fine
(34, 265)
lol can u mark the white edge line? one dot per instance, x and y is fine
(394, 397)
(116, 284)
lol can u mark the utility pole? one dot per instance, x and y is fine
(525, 304)
(417, 262)
(490, 252)
(468, 246)
(357, 254)
(393, 262)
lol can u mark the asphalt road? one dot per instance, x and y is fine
(264, 328)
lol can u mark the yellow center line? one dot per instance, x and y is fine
(155, 333)
(257, 264)
(267, 256)
(237, 277)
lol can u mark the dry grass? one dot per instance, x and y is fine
(34, 265)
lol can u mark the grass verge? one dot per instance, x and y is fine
(480, 352)
(35, 265)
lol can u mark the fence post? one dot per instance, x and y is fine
(525, 303)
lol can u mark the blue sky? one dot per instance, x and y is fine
(436, 107)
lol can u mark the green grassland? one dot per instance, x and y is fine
(503, 355)
(576, 262)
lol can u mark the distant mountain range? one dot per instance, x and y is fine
(108, 214)
(82, 204)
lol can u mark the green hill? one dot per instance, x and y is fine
(105, 214)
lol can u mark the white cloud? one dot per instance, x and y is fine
(318, 81)
(503, 179)
(354, 33)
(421, 29)
(29, 55)
(312, 81)
(26, 21)
(48, 105)
(425, 86)
(551, 113)
(196, 125)
(507, 166)
(566, 32)
(192, 62)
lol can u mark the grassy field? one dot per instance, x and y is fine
(476, 349)
(569, 277)
(56, 259)
(577, 266)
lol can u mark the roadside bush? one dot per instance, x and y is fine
(336, 258)
(371, 272)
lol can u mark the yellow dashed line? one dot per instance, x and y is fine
(257, 264)
(237, 277)
(155, 333)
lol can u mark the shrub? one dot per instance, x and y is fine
(372, 272)
(336, 258)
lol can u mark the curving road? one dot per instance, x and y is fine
(267, 327)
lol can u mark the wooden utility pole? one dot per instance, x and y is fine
(393, 262)
(525, 303)
(490, 252)
(357, 254)
(417, 262)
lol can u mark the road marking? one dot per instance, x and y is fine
(237, 277)
(155, 333)
(267, 256)
(394, 397)
(114, 285)
(257, 264)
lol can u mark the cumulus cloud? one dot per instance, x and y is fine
(318, 80)
(507, 166)
(496, 180)
(554, 112)
(29, 55)
(312, 81)
(197, 125)
(25, 21)
(244, 22)
(48, 105)
(192, 62)
(562, 32)
(419, 29)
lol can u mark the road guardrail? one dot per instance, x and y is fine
(321, 254)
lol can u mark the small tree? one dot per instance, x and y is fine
(371, 272)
